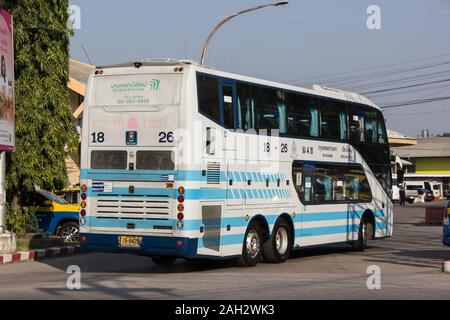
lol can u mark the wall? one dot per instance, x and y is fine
(433, 165)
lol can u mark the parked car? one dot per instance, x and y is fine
(447, 194)
(411, 195)
(54, 214)
(71, 195)
(427, 194)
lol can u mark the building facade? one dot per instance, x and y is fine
(78, 76)
(429, 160)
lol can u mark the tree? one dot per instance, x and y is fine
(45, 128)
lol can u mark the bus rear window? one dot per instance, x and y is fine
(108, 159)
(154, 160)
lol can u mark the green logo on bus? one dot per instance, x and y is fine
(154, 84)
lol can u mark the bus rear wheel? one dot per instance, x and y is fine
(252, 246)
(163, 260)
(278, 247)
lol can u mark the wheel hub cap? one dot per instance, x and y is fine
(252, 244)
(70, 234)
(281, 240)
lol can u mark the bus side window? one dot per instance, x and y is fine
(302, 177)
(301, 120)
(228, 110)
(333, 120)
(356, 126)
(244, 107)
(208, 97)
(382, 134)
(313, 108)
(266, 110)
(371, 127)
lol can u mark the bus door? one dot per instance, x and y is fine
(228, 105)
(303, 176)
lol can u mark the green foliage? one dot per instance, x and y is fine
(45, 128)
(20, 221)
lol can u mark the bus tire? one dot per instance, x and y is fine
(251, 247)
(278, 247)
(163, 260)
(365, 233)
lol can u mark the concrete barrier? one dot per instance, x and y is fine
(7, 242)
(434, 215)
(446, 266)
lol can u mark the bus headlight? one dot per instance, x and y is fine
(446, 221)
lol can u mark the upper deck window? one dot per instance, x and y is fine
(302, 116)
(333, 124)
(356, 125)
(208, 97)
(266, 112)
(245, 114)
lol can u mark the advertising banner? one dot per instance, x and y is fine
(7, 108)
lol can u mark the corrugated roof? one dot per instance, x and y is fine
(426, 148)
(397, 135)
(80, 71)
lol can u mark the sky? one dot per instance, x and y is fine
(325, 42)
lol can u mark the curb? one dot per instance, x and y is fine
(38, 254)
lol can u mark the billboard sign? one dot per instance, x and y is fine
(7, 108)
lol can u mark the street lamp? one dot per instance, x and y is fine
(225, 20)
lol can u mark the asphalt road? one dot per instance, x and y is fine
(410, 265)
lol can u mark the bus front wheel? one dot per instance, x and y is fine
(365, 234)
(252, 246)
(278, 247)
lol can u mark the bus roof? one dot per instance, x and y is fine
(316, 89)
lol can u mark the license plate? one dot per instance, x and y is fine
(130, 241)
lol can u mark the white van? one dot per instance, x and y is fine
(434, 188)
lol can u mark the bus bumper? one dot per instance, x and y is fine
(150, 245)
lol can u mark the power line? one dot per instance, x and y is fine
(414, 102)
(406, 79)
(415, 90)
(415, 113)
(318, 77)
(382, 74)
(405, 87)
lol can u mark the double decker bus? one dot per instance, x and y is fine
(180, 160)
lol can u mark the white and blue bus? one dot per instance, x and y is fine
(180, 160)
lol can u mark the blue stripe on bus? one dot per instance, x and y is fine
(236, 222)
(180, 175)
(193, 194)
